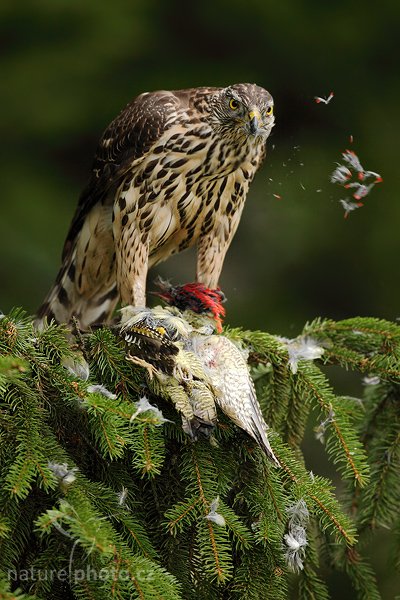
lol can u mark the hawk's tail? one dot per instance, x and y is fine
(67, 299)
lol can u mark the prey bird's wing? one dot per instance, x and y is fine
(128, 138)
(229, 375)
(258, 426)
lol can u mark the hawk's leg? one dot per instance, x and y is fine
(132, 255)
(213, 245)
(211, 251)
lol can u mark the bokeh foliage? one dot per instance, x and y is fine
(69, 67)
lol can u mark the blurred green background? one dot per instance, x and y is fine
(69, 66)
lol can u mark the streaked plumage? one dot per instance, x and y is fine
(173, 169)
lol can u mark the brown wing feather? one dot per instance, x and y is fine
(130, 136)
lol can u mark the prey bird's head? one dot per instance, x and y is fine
(195, 297)
(243, 111)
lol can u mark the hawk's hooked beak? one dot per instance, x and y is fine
(255, 120)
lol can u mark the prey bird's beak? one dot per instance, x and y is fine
(255, 120)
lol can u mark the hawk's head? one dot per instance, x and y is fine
(243, 110)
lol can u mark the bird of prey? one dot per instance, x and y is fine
(172, 170)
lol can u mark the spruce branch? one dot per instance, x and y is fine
(318, 492)
(310, 584)
(378, 504)
(360, 573)
(220, 566)
(343, 445)
(17, 594)
(96, 471)
(182, 515)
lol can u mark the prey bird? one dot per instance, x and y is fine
(172, 170)
(195, 369)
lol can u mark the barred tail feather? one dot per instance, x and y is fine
(85, 287)
(64, 301)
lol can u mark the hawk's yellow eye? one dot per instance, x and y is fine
(233, 104)
(270, 110)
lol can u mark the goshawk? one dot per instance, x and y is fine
(172, 170)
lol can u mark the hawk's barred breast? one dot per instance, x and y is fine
(173, 169)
